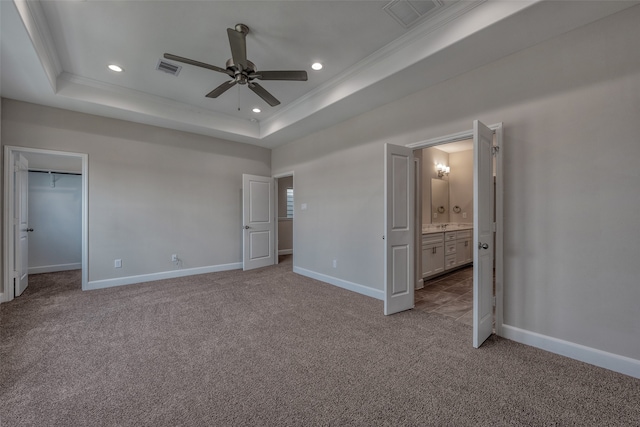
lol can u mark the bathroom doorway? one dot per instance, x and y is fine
(445, 232)
(445, 284)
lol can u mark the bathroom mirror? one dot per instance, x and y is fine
(439, 201)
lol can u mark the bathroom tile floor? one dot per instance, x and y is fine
(450, 295)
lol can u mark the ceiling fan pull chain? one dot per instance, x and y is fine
(238, 98)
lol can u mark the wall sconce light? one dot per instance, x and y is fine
(442, 170)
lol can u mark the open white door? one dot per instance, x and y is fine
(21, 224)
(258, 216)
(482, 233)
(399, 181)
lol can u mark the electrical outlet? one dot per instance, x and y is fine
(464, 214)
(117, 263)
(174, 258)
(335, 263)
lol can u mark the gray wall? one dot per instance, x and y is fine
(55, 214)
(430, 157)
(152, 191)
(572, 178)
(461, 186)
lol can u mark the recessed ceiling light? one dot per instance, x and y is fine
(116, 68)
(316, 66)
(256, 110)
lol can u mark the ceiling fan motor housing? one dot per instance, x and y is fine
(241, 77)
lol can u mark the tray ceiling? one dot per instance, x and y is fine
(56, 53)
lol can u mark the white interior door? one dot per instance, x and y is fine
(21, 224)
(483, 233)
(258, 216)
(399, 182)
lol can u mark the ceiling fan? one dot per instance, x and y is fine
(241, 70)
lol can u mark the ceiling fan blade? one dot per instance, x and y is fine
(221, 89)
(197, 63)
(281, 75)
(238, 43)
(262, 93)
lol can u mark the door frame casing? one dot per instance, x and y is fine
(8, 207)
(498, 132)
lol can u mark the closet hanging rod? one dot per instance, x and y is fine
(58, 173)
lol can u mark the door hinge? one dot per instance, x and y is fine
(494, 150)
(495, 227)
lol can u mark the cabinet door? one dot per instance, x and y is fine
(426, 257)
(460, 253)
(432, 260)
(463, 252)
(468, 252)
(438, 259)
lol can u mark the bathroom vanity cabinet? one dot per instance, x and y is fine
(446, 250)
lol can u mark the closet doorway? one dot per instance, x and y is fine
(47, 190)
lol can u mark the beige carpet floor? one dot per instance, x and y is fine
(271, 348)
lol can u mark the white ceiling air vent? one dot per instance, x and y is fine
(409, 12)
(168, 67)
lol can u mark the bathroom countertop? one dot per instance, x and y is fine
(450, 227)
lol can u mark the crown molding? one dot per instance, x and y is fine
(361, 75)
(38, 30)
(415, 46)
(101, 93)
(352, 77)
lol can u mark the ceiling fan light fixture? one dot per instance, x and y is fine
(116, 68)
(256, 110)
(317, 66)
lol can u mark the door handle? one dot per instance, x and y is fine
(483, 245)
(246, 227)
(29, 230)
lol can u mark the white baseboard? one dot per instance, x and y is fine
(54, 268)
(129, 280)
(285, 251)
(614, 362)
(360, 289)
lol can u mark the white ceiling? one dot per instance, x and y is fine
(56, 53)
(455, 147)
